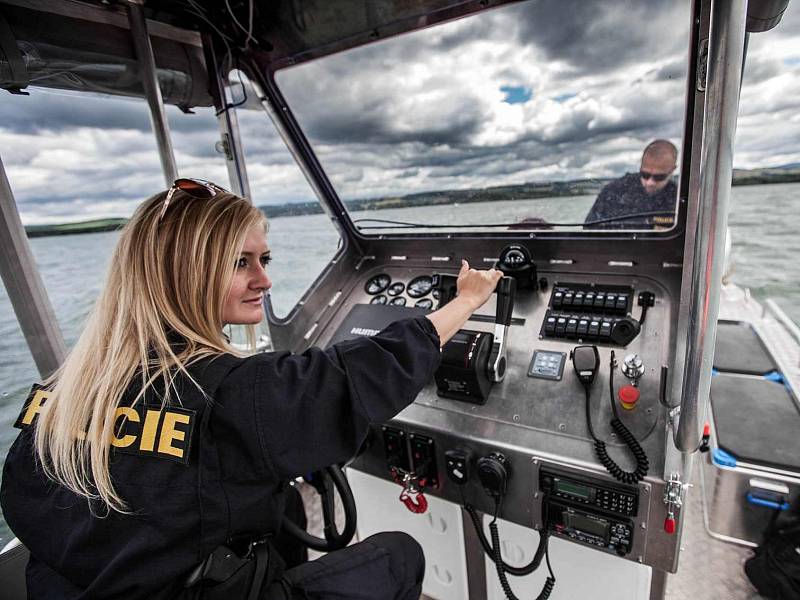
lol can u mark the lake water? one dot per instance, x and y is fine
(764, 223)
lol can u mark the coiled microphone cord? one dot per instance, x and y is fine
(489, 548)
(642, 463)
(497, 558)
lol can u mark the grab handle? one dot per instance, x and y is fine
(767, 503)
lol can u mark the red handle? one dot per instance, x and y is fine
(669, 525)
(418, 504)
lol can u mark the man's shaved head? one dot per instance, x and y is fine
(659, 160)
(661, 150)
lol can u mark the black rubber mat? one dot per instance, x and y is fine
(756, 420)
(740, 350)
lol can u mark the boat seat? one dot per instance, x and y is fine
(12, 573)
(739, 349)
(756, 421)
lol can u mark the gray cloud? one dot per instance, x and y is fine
(594, 36)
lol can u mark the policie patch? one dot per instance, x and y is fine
(32, 406)
(144, 429)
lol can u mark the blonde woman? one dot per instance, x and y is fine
(157, 443)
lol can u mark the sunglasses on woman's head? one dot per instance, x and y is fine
(654, 176)
(196, 188)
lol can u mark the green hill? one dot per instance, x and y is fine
(546, 189)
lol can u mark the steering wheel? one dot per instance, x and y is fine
(324, 482)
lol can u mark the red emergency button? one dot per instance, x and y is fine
(628, 396)
(669, 525)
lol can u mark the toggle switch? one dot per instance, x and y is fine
(456, 465)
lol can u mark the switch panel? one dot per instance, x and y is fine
(546, 364)
(423, 459)
(394, 443)
(585, 312)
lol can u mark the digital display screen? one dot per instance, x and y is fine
(574, 489)
(587, 525)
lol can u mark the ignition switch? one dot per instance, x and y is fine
(456, 464)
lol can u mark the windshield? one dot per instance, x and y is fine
(531, 116)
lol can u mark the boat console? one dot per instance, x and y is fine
(530, 420)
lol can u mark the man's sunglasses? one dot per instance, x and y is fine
(654, 176)
(196, 188)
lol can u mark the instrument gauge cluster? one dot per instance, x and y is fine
(419, 291)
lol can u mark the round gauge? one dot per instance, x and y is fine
(396, 288)
(377, 284)
(381, 299)
(435, 294)
(419, 286)
(399, 301)
(424, 303)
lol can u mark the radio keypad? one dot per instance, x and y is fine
(615, 501)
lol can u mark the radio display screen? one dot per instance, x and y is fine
(574, 489)
(587, 525)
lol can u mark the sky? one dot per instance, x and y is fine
(544, 90)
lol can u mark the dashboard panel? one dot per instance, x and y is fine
(536, 417)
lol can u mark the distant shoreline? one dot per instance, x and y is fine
(527, 191)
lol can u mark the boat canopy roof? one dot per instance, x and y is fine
(83, 45)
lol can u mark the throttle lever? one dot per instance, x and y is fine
(505, 290)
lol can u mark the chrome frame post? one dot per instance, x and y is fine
(25, 287)
(147, 67)
(230, 141)
(725, 55)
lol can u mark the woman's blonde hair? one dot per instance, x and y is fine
(168, 279)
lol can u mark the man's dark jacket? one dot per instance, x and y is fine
(625, 197)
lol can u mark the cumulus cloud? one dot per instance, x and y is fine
(425, 111)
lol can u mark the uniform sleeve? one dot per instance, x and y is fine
(597, 210)
(314, 409)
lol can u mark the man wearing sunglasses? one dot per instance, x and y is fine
(643, 200)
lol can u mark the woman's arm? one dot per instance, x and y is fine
(474, 288)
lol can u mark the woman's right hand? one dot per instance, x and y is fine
(476, 286)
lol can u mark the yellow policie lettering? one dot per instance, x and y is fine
(130, 415)
(162, 433)
(35, 406)
(170, 433)
(148, 440)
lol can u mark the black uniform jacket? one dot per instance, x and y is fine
(625, 197)
(198, 474)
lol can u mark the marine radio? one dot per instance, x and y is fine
(590, 511)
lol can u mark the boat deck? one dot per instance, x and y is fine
(708, 568)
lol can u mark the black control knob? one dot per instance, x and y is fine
(493, 474)
(624, 331)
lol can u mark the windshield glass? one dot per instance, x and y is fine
(535, 115)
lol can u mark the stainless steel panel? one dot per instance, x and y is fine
(535, 421)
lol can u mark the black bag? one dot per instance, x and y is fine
(775, 568)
